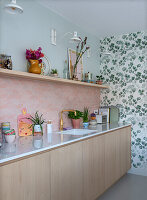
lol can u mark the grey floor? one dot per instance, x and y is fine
(130, 187)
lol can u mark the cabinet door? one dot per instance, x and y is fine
(125, 149)
(111, 158)
(66, 173)
(117, 155)
(93, 162)
(27, 179)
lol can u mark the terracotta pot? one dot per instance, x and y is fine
(76, 123)
(99, 82)
(34, 67)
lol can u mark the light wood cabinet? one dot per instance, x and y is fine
(28, 179)
(67, 173)
(117, 155)
(112, 158)
(125, 149)
(93, 170)
(79, 171)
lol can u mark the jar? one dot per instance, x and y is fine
(5, 127)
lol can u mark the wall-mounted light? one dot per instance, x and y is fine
(74, 37)
(13, 8)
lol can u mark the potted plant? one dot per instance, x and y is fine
(37, 123)
(85, 118)
(54, 72)
(99, 80)
(34, 58)
(93, 116)
(75, 117)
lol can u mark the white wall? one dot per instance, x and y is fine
(32, 29)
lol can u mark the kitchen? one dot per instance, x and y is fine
(119, 57)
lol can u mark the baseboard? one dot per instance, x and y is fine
(138, 171)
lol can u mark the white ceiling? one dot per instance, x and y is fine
(103, 17)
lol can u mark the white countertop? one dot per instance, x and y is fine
(25, 146)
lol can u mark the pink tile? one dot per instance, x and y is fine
(47, 98)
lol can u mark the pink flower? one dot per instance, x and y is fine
(40, 61)
(34, 54)
(39, 49)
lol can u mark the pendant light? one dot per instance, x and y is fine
(13, 8)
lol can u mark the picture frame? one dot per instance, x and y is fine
(71, 62)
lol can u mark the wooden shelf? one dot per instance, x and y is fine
(26, 75)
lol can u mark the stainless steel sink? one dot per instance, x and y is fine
(77, 132)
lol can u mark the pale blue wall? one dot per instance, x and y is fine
(32, 29)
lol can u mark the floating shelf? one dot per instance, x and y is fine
(30, 76)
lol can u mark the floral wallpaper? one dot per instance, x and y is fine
(125, 70)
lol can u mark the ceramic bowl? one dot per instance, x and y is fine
(10, 138)
(10, 132)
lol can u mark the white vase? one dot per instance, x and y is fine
(37, 129)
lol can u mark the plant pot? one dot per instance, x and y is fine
(34, 67)
(85, 124)
(99, 82)
(54, 75)
(38, 130)
(76, 123)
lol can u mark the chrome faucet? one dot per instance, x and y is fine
(61, 120)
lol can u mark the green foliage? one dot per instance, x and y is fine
(126, 74)
(100, 78)
(37, 120)
(54, 71)
(72, 115)
(85, 115)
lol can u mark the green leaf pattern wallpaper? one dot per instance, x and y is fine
(125, 70)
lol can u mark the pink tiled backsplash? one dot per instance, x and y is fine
(46, 97)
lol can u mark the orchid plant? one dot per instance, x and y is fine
(34, 54)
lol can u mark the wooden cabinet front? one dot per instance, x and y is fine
(93, 170)
(117, 155)
(67, 173)
(79, 171)
(27, 179)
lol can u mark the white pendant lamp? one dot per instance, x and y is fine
(13, 8)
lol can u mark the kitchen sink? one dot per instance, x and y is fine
(77, 132)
